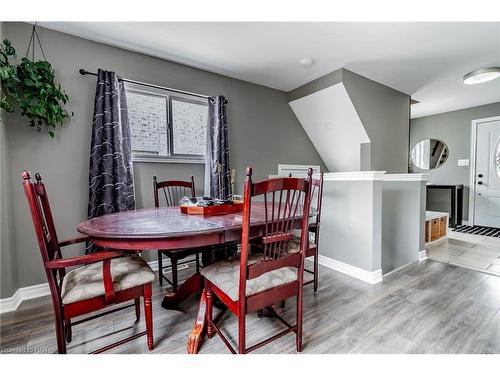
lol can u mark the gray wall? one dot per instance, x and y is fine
(384, 113)
(8, 263)
(403, 218)
(262, 128)
(454, 128)
(351, 220)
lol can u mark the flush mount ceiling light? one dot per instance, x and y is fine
(306, 61)
(481, 75)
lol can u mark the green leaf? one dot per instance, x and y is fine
(6, 106)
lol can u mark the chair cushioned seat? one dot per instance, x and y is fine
(87, 282)
(226, 276)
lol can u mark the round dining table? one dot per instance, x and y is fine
(169, 229)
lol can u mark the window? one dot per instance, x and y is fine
(166, 126)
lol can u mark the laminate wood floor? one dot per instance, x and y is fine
(427, 307)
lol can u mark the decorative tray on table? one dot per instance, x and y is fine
(210, 206)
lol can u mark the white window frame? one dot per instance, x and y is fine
(169, 96)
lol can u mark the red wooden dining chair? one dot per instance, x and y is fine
(276, 272)
(313, 249)
(173, 192)
(103, 278)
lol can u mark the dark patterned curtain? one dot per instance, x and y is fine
(219, 170)
(111, 179)
(218, 149)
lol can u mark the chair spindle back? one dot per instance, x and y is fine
(285, 202)
(317, 192)
(173, 191)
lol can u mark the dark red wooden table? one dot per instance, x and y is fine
(167, 228)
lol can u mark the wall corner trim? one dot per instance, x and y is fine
(370, 277)
(406, 177)
(354, 176)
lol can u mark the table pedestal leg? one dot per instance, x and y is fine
(192, 285)
(196, 336)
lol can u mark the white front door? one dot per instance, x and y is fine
(487, 178)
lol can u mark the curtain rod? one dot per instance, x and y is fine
(84, 72)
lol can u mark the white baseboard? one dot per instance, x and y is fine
(41, 290)
(370, 277)
(166, 263)
(23, 294)
(422, 255)
(154, 265)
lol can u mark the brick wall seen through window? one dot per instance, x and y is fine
(148, 123)
(189, 127)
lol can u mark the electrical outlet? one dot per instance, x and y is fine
(463, 162)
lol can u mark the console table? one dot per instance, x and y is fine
(456, 195)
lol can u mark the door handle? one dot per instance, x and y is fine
(480, 182)
(480, 175)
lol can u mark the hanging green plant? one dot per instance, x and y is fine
(31, 87)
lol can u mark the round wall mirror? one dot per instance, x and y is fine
(429, 154)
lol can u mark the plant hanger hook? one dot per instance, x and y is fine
(34, 34)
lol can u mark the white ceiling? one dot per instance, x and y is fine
(424, 60)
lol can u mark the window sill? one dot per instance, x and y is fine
(139, 159)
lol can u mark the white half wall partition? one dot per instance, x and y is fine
(333, 125)
(371, 222)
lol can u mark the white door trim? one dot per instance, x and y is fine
(472, 177)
